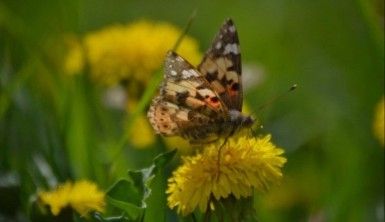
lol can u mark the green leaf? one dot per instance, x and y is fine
(134, 212)
(125, 196)
(130, 195)
(98, 217)
(143, 178)
(125, 190)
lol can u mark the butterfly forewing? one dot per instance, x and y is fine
(221, 66)
(186, 87)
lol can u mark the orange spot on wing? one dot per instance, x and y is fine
(213, 102)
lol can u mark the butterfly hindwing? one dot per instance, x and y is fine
(221, 66)
(169, 119)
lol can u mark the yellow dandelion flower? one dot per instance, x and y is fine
(246, 163)
(134, 51)
(86, 197)
(378, 124)
(57, 199)
(82, 196)
(74, 58)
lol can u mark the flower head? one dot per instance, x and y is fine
(378, 124)
(245, 163)
(58, 198)
(133, 51)
(74, 59)
(83, 196)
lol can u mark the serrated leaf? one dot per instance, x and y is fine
(143, 178)
(125, 196)
(130, 195)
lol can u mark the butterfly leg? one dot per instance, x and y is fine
(219, 157)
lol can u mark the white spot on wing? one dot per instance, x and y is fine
(206, 92)
(182, 115)
(231, 48)
(232, 28)
(232, 76)
(218, 45)
(171, 107)
(189, 73)
(173, 73)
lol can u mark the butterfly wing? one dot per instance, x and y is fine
(221, 66)
(186, 87)
(186, 104)
(169, 119)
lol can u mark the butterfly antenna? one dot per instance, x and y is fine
(185, 30)
(272, 100)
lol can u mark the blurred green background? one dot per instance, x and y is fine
(333, 50)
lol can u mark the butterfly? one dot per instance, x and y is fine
(204, 103)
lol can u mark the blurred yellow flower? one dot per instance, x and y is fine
(246, 163)
(83, 196)
(141, 132)
(134, 51)
(176, 142)
(74, 59)
(57, 199)
(378, 124)
(129, 53)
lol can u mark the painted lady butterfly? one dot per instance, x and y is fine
(202, 104)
